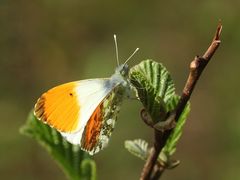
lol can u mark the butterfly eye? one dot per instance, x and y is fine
(125, 70)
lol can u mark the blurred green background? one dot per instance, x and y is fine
(45, 43)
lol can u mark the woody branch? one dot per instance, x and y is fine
(151, 170)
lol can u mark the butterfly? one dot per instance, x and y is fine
(85, 111)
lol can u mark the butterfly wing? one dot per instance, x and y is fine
(100, 125)
(84, 112)
(68, 107)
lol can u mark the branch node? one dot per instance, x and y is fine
(194, 64)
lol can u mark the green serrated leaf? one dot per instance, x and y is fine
(138, 147)
(172, 103)
(75, 163)
(171, 143)
(154, 87)
(156, 91)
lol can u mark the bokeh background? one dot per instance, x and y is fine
(45, 43)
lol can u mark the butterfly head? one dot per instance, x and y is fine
(122, 70)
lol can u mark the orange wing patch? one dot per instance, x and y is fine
(92, 129)
(59, 107)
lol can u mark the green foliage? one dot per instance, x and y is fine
(75, 163)
(171, 143)
(138, 147)
(156, 91)
(154, 87)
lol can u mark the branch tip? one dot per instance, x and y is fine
(218, 32)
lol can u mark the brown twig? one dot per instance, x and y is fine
(153, 156)
(196, 68)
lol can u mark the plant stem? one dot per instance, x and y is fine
(196, 68)
(152, 159)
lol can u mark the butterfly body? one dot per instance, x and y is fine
(85, 111)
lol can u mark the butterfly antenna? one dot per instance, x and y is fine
(136, 50)
(116, 47)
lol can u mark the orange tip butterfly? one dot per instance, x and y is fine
(85, 111)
